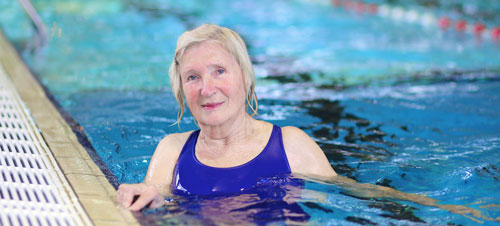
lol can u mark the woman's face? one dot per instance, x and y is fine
(212, 82)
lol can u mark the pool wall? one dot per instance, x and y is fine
(88, 182)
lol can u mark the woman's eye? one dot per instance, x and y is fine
(191, 77)
(220, 71)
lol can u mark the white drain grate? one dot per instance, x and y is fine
(33, 190)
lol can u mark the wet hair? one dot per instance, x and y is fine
(229, 40)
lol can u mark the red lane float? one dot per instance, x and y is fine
(461, 25)
(444, 22)
(495, 33)
(479, 28)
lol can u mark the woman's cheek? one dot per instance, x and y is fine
(190, 93)
(228, 86)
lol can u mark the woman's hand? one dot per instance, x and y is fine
(158, 178)
(148, 195)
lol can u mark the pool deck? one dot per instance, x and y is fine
(94, 192)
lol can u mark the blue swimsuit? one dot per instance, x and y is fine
(194, 177)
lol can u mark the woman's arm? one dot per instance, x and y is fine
(306, 158)
(158, 178)
(161, 167)
(304, 155)
(375, 191)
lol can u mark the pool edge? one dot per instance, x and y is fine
(90, 185)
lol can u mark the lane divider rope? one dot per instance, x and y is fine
(426, 19)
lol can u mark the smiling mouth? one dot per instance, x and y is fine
(212, 105)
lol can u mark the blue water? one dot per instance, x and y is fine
(398, 105)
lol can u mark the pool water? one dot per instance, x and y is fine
(394, 104)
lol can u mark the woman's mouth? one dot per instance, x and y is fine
(210, 106)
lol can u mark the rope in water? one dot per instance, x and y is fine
(427, 19)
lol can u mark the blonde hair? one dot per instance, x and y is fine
(228, 39)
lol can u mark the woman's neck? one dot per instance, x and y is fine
(231, 132)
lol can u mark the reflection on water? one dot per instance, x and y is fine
(274, 200)
(298, 200)
(271, 200)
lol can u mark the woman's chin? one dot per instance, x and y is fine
(212, 121)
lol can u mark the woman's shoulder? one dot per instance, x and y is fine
(296, 141)
(302, 150)
(171, 145)
(174, 140)
(294, 134)
(164, 159)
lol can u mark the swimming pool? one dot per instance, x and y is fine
(390, 103)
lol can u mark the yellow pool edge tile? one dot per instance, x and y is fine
(94, 192)
(102, 209)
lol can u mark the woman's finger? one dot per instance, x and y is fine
(126, 193)
(143, 200)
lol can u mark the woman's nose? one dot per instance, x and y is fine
(208, 88)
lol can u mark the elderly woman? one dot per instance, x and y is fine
(212, 73)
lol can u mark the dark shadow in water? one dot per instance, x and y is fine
(296, 78)
(278, 68)
(396, 211)
(354, 136)
(328, 111)
(154, 12)
(316, 206)
(331, 112)
(360, 220)
(392, 210)
(488, 171)
(385, 182)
